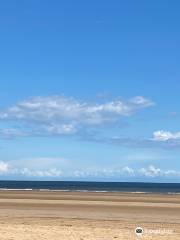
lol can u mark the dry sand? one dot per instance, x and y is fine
(87, 216)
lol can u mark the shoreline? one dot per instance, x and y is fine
(86, 191)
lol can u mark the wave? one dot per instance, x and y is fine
(85, 190)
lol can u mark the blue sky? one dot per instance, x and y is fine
(89, 90)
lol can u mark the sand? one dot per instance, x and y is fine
(31, 215)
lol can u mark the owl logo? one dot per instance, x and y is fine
(139, 231)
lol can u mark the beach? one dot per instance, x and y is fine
(55, 215)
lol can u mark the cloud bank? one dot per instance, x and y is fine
(60, 115)
(59, 173)
(163, 136)
(67, 116)
(160, 139)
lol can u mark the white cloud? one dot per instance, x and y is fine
(56, 129)
(161, 139)
(33, 167)
(4, 167)
(151, 171)
(128, 170)
(27, 169)
(163, 136)
(172, 173)
(141, 101)
(53, 172)
(12, 132)
(63, 115)
(145, 172)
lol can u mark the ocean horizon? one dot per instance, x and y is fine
(90, 186)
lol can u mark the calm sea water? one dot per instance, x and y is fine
(92, 186)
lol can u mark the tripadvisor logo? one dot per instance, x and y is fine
(139, 231)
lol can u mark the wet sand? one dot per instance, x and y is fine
(81, 215)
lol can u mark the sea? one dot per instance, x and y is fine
(83, 186)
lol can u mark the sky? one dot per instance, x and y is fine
(89, 90)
